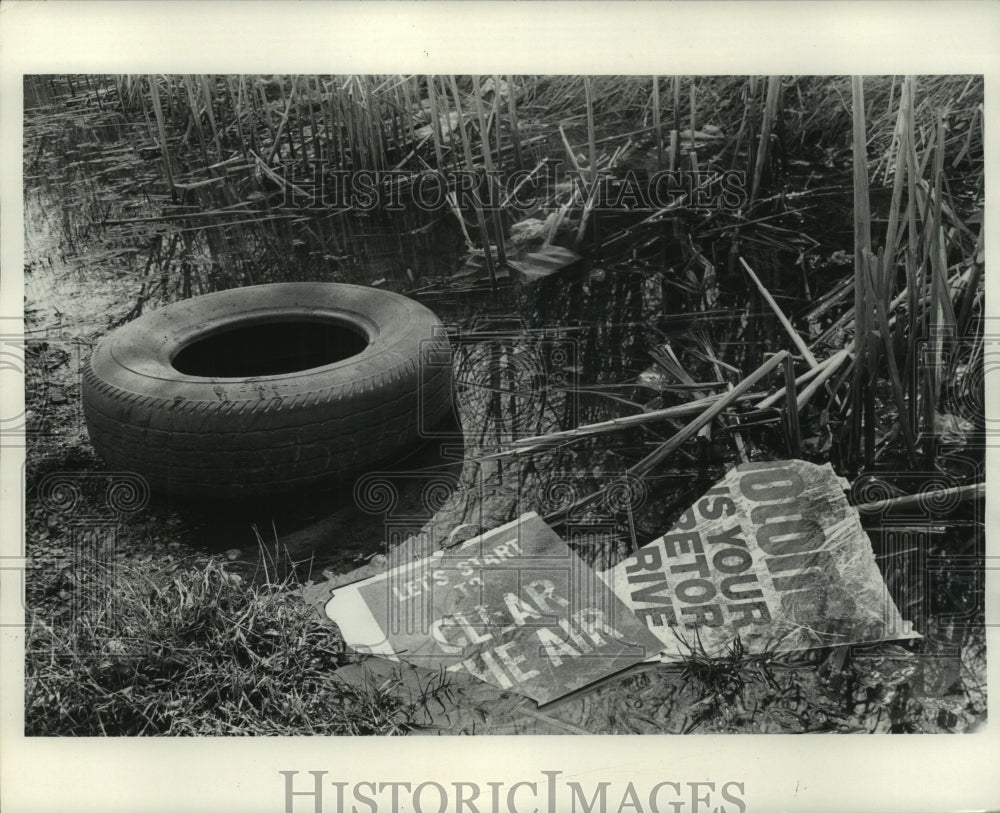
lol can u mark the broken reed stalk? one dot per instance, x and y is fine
(517, 188)
(651, 461)
(797, 340)
(569, 151)
(741, 448)
(825, 366)
(593, 196)
(615, 424)
(644, 466)
(848, 316)
(925, 501)
(834, 364)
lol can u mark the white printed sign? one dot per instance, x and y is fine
(773, 554)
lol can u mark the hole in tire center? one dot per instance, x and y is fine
(269, 348)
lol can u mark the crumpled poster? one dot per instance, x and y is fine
(774, 554)
(514, 607)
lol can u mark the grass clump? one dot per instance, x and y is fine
(196, 651)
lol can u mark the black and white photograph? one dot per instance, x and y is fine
(383, 398)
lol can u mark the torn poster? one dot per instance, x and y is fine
(773, 554)
(514, 607)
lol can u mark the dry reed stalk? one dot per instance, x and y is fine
(488, 162)
(397, 107)
(470, 165)
(154, 97)
(276, 142)
(346, 118)
(313, 101)
(832, 364)
(924, 501)
(435, 123)
(496, 115)
(651, 461)
(526, 179)
(411, 154)
(335, 126)
(797, 340)
(616, 424)
(560, 215)
(770, 113)
(847, 318)
(235, 86)
(744, 116)
(941, 318)
(648, 463)
(658, 134)
(145, 115)
(591, 135)
(280, 180)
(675, 134)
(569, 151)
(693, 154)
(807, 376)
(436, 134)
(971, 286)
(880, 298)
(515, 130)
(717, 364)
(792, 413)
(863, 409)
(411, 92)
(484, 136)
(207, 92)
(592, 192)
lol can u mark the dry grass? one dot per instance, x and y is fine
(193, 650)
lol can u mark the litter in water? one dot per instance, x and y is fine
(773, 555)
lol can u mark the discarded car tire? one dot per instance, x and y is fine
(266, 389)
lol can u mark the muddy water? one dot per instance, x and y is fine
(529, 360)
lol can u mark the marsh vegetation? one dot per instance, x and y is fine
(614, 258)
